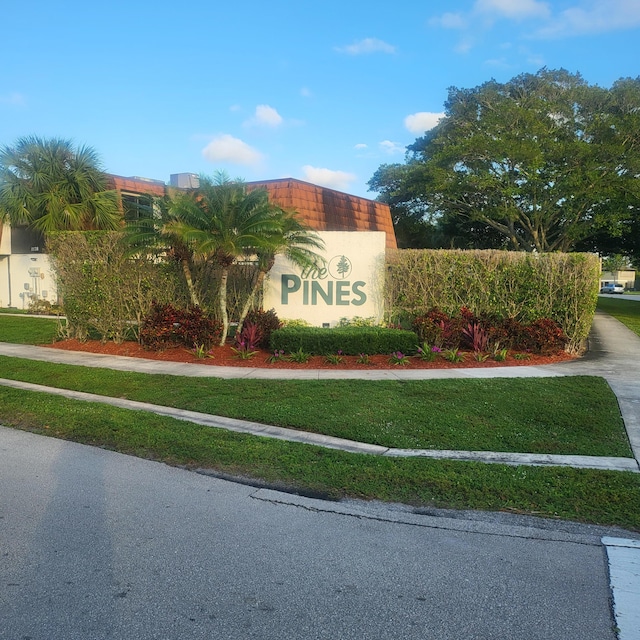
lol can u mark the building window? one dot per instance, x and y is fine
(137, 207)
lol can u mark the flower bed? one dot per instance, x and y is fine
(226, 357)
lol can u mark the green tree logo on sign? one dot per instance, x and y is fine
(340, 267)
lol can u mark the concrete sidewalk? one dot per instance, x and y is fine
(614, 354)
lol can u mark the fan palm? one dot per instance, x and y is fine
(49, 185)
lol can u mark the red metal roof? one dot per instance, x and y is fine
(137, 185)
(321, 208)
(329, 210)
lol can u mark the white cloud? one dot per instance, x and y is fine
(422, 121)
(392, 148)
(513, 9)
(449, 21)
(497, 62)
(328, 178)
(465, 45)
(579, 18)
(226, 148)
(265, 116)
(594, 17)
(360, 145)
(534, 59)
(14, 99)
(368, 45)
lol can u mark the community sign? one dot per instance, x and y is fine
(348, 283)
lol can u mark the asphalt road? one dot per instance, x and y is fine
(95, 544)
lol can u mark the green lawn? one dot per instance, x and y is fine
(601, 497)
(627, 311)
(554, 415)
(572, 415)
(24, 329)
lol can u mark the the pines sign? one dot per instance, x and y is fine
(349, 284)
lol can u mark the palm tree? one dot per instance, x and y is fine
(292, 239)
(220, 222)
(151, 235)
(51, 186)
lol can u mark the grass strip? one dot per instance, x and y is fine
(566, 415)
(24, 329)
(627, 311)
(600, 497)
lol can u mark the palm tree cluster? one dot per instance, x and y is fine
(49, 185)
(219, 223)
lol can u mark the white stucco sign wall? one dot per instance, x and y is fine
(349, 284)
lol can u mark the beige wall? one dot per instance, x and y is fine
(351, 283)
(5, 239)
(627, 278)
(25, 277)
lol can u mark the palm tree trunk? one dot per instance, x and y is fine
(187, 276)
(250, 299)
(222, 297)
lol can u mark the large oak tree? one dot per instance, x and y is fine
(545, 161)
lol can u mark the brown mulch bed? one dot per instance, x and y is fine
(225, 357)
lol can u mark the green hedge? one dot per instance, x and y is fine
(350, 340)
(104, 291)
(507, 284)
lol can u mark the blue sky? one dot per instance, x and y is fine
(320, 91)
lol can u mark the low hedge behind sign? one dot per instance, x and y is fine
(559, 286)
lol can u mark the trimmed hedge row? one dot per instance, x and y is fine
(351, 341)
(505, 284)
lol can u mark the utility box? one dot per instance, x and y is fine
(184, 180)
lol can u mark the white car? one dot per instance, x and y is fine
(612, 288)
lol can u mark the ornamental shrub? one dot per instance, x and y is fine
(352, 341)
(506, 333)
(167, 326)
(443, 330)
(266, 321)
(543, 336)
(481, 333)
(249, 338)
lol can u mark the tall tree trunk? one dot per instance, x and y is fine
(187, 276)
(224, 276)
(250, 299)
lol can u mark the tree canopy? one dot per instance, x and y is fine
(543, 162)
(50, 185)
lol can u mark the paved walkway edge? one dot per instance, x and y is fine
(331, 442)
